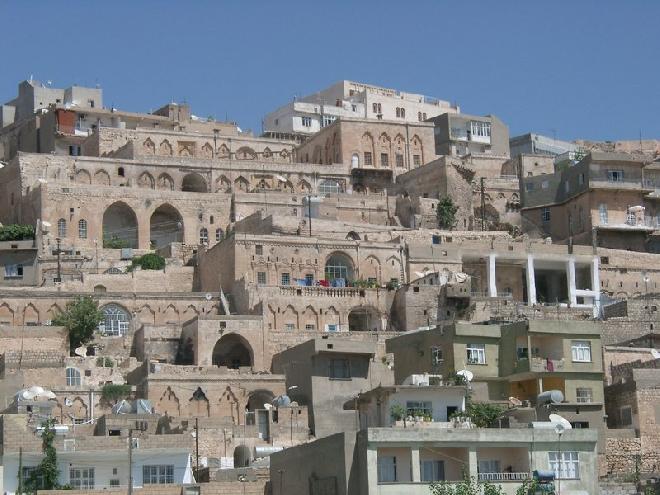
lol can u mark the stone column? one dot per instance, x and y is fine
(473, 462)
(570, 280)
(492, 281)
(531, 281)
(595, 284)
(414, 465)
(372, 471)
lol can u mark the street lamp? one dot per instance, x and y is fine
(559, 429)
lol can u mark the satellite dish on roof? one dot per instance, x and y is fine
(560, 420)
(68, 402)
(467, 374)
(80, 351)
(208, 296)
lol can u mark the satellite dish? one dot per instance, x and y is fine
(268, 407)
(208, 296)
(560, 421)
(36, 390)
(68, 402)
(80, 351)
(467, 374)
(26, 394)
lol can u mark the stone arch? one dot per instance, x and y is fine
(285, 185)
(352, 236)
(165, 148)
(367, 147)
(303, 186)
(186, 149)
(146, 181)
(393, 265)
(267, 153)
(194, 182)
(198, 404)
(168, 403)
(364, 318)
(285, 154)
(223, 151)
(171, 314)
(331, 318)
(52, 312)
(190, 312)
(371, 268)
(120, 226)
(417, 149)
(149, 147)
(384, 150)
(165, 226)
(206, 150)
(146, 315)
(100, 288)
(290, 317)
(77, 410)
(257, 399)
(339, 265)
(83, 176)
(310, 317)
(165, 181)
(102, 178)
(6, 314)
(233, 351)
(222, 184)
(242, 184)
(245, 153)
(30, 314)
(228, 406)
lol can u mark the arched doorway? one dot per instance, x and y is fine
(120, 227)
(364, 319)
(165, 226)
(194, 183)
(338, 266)
(258, 398)
(232, 351)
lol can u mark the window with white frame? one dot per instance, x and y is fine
(81, 478)
(615, 175)
(328, 119)
(584, 394)
(581, 351)
(602, 212)
(566, 465)
(306, 121)
(14, 271)
(203, 236)
(386, 469)
(115, 321)
(162, 474)
(82, 229)
(545, 214)
(480, 129)
(219, 234)
(61, 227)
(476, 353)
(72, 377)
(339, 368)
(419, 408)
(329, 186)
(432, 470)
(436, 356)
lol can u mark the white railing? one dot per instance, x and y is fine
(503, 476)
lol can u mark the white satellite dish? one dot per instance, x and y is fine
(68, 402)
(467, 374)
(268, 407)
(26, 394)
(556, 418)
(80, 351)
(36, 390)
(208, 296)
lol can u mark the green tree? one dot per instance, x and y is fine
(481, 414)
(81, 317)
(446, 212)
(44, 477)
(467, 486)
(113, 393)
(149, 261)
(16, 232)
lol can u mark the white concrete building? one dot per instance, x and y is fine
(309, 114)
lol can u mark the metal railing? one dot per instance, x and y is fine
(504, 476)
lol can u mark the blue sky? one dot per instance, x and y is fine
(579, 69)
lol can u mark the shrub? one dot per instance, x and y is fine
(16, 232)
(446, 212)
(114, 242)
(150, 261)
(114, 392)
(81, 317)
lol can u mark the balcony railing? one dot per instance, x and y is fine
(539, 365)
(504, 476)
(302, 291)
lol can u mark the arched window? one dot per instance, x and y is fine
(82, 229)
(355, 160)
(203, 236)
(115, 322)
(338, 266)
(120, 172)
(403, 113)
(219, 234)
(61, 228)
(329, 186)
(72, 377)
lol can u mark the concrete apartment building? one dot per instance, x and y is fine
(537, 144)
(462, 134)
(307, 115)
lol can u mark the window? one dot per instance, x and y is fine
(219, 234)
(424, 116)
(615, 175)
(419, 116)
(259, 249)
(82, 229)
(419, 408)
(286, 279)
(14, 271)
(602, 212)
(480, 129)
(328, 119)
(432, 470)
(581, 179)
(398, 160)
(386, 469)
(567, 187)
(376, 108)
(545, 184)
(162, 474)
(417, 161)
(261, 278)
(545, 214)
(583, 395)
(368, 160)
(566, 465)
(332, 327)
(354, 108)
(329, 186)
(81, 478)
(581, 351)
(339, 368)
(403, 113)
(61, 227)
(74, 150)
(307, 122)
(398, 112)
(29, 472)
(115, 322)
(529, 186)
(289, 327)
(384, 160)
(436, 356)
(120, 172)
(310, 327)
(203, 236)
(625, 416)
(309, 279)
(476, 353)
(72, 377)
(489, 466)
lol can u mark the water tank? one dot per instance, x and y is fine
(266, 450)
(553, 396)
(242, 456)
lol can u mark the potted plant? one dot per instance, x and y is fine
(398, 412)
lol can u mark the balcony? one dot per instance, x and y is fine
(498, 477)
(632, 223)
(318, 291)
(539, 365)
(605, 182)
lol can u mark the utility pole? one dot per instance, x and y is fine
(309, 213)
(570, 234)
(483, 205)
(197, 449)
(130, 461)
(59, 263)
(20, 470)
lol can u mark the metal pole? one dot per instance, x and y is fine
(130, 461)
(59, 263)
(483, 206)
(561, 462)
(197, 448)
(309, 213)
